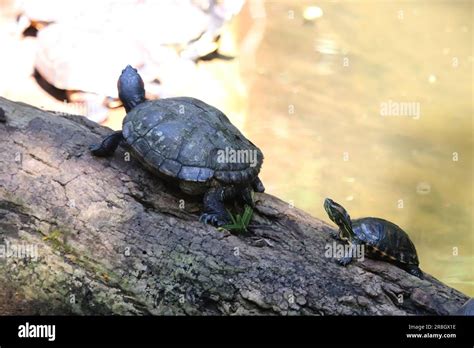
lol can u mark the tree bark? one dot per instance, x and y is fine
(113, 239)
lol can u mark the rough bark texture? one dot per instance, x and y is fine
(112, 239)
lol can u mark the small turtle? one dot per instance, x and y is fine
(467, 308)
(383, 240)
(183, 141)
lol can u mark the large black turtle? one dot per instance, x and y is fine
(383, 239)
(185, 140)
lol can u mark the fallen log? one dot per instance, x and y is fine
(112, 239)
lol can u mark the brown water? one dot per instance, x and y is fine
(314, 107)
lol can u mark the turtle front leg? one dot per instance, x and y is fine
(214, 209)
(344, 261)
(335, 235)
(108, 146)
(347, 259)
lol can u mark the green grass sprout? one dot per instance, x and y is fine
(239, 222)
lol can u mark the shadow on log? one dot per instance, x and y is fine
(112, 239)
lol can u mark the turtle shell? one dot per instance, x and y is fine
(185, 139)
(386, 240)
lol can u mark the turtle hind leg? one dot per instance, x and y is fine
(349, 256)
(108, 146)
(257, 185)
(246, 197)
(214, 210)
(3, 118)
(414, 270)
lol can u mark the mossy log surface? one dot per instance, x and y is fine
(113, 239)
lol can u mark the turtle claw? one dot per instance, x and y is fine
(334, 235)
(99, 151)
(212, 219)
(95, 149)
(344, 261)
(107, 146)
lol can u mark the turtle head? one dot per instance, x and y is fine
(131, 88)
(339, 216)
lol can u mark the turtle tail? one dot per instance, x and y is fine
(257, 185)
(415, 270)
